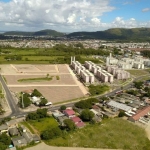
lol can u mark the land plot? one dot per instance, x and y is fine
(47, 68)
(54, 94)
(137, 72)
(26, 68)
(63, 68)
(64, 79)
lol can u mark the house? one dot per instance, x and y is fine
(119, 106)
(13, 131)
(57, 114)
(3, 128)
(12, 124)
(78, 122)
(69, 113)
(61, 119)
(36, 138)
(19, 141)
(28, 91)
(140, 115)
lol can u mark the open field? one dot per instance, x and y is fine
(138, 72)
(54, 94)
(44, 123)
(112, 133)
(43, 146)
(66, 87)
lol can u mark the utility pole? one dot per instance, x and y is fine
(22, 101)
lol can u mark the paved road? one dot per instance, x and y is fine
(16, 112)
(14, 108)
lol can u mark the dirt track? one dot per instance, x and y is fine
(43, 146)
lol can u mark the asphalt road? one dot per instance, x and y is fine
(14, 108)
(17, 113)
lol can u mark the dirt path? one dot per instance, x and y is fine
(43, 146)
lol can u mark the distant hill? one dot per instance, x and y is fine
(135, 34)
(47, 32)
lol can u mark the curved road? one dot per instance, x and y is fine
(16, 112)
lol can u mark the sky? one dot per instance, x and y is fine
(73, 15)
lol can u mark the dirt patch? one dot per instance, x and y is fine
(42, 146)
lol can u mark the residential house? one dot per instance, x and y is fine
(13, 131)
(61, 119)
(78, 122)
(12, 124)
(69, 113)
(140, 115)
(19, 141)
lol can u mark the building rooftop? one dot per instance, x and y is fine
(119, 106)
(69, 112)
(141, 113)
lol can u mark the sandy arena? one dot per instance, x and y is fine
(66, 88)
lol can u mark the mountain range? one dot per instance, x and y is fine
(134, 34)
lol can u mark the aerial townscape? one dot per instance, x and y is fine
(74, 75)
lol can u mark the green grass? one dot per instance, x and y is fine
(57, 78)
(112, 133)
(43, 124)
(35, 79)
(98, 89)
(27, 126)
(138, 73)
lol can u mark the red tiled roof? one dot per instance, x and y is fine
(95, 107)
(76, 119)
(80, 124)
(69, 112)
(141, 113)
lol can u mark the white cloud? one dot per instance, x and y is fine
(61, 15)
(39, 13)
(145, 9)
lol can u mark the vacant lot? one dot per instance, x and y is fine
(112, 133)
(65, 79)
(54, 94)
(43, 124)
(138, 72)
(64, 88)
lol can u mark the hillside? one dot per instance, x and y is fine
(135, 34)
(38, 33)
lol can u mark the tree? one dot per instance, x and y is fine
(87, 115)
(51, 133)
(42, 112)
(26, 101)
(36, 93)
(3, 146)
(43, 102)
(5, 139)
(63, 107)
(121, 114)
(69, 124)
(138, 85)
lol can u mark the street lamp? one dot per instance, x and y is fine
(22, 100)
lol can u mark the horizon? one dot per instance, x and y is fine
(73, 15)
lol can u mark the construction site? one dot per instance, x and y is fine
(63, 85)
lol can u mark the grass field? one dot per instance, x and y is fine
(44, 124)
(27, 126)
(35, 79)
(138, 72)
(112, 133)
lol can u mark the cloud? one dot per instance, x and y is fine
(145, 9)
(39, 13)
(61, 15)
